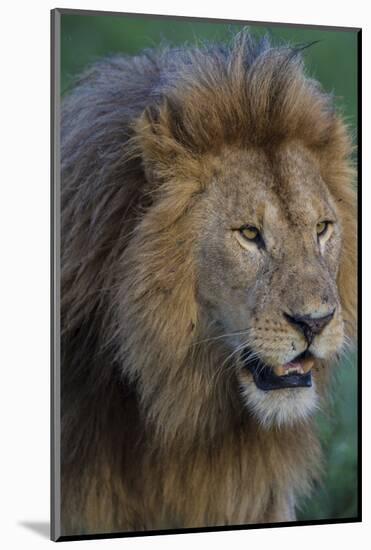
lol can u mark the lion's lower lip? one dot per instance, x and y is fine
(266, 379)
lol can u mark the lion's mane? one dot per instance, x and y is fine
(150, 438)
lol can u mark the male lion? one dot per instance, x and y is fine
(208, 279)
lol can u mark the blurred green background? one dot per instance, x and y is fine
(333, 61)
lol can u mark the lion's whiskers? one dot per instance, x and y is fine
(226, 335)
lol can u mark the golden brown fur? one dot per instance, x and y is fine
(161, 155)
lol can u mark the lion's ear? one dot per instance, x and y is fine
(160, 140)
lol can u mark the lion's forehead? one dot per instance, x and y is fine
(278, 187)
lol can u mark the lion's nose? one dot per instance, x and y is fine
(310, 326)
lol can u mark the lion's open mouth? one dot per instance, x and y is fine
(296, 374)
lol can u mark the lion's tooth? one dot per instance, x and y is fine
(293, 368)
(307, 364)
(280, 371)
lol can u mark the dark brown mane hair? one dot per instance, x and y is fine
(127, 127)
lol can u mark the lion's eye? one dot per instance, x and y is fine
(249, 232)
(249, 237)
(322, 227)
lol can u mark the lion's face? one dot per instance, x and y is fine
(267, 262)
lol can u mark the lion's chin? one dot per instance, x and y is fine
(286, 407)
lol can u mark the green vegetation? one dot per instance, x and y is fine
(333, 61)
(337, 497)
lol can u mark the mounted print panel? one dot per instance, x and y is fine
(205, 185)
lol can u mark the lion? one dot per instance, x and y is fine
(208, 257)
